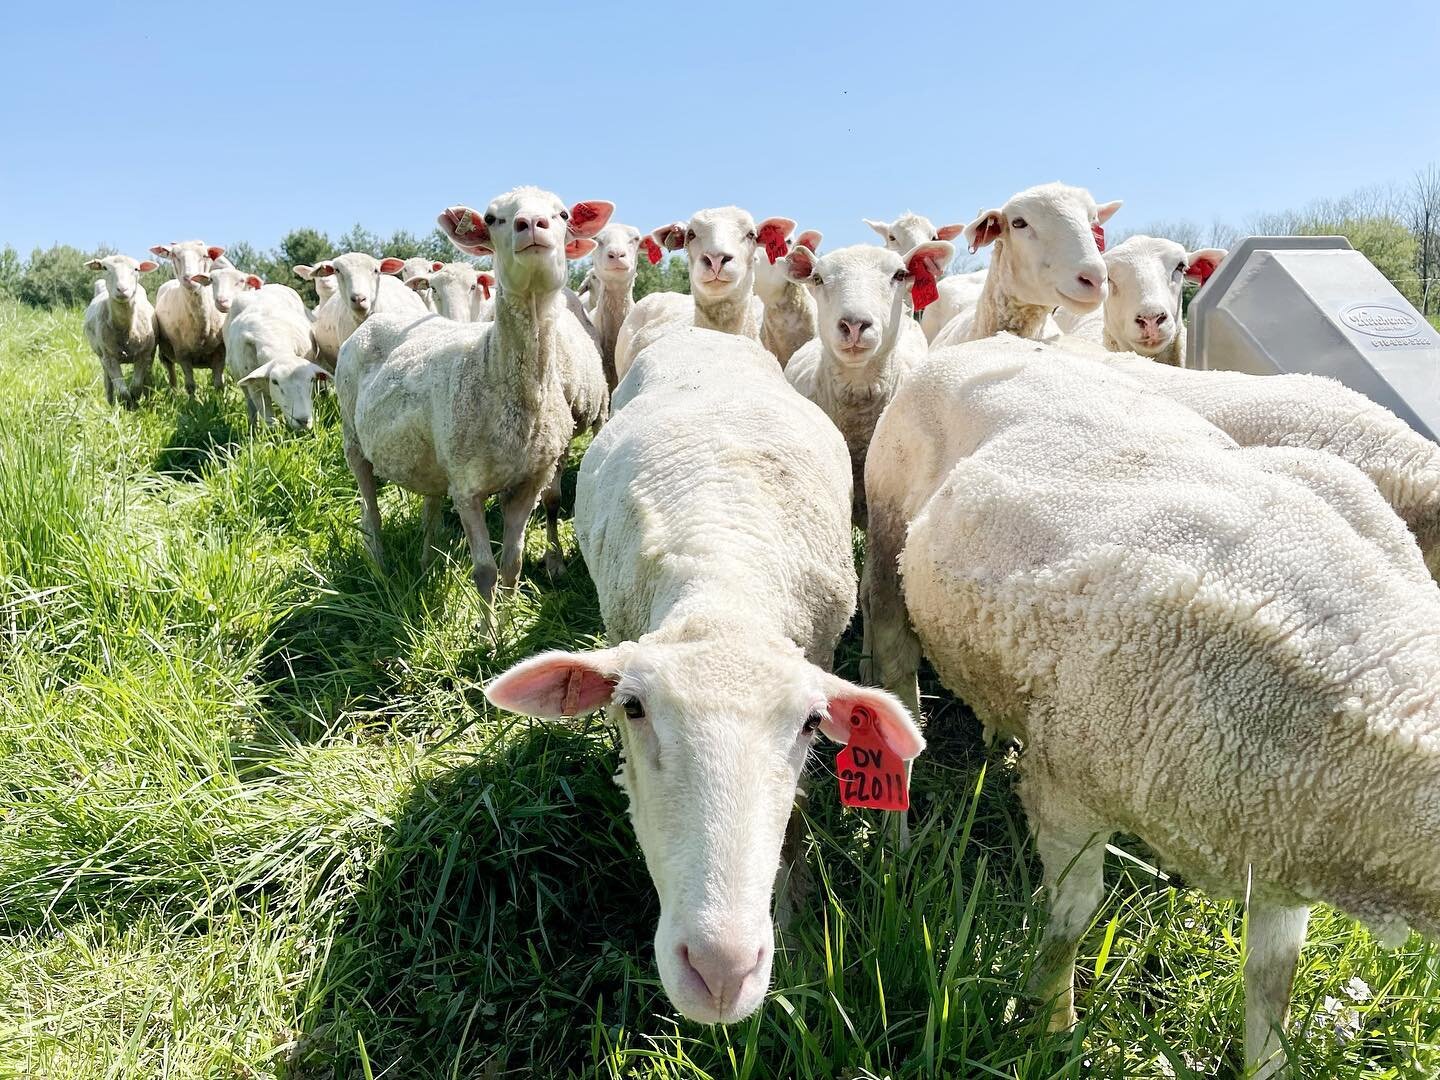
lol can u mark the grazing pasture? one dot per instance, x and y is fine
(258, 820)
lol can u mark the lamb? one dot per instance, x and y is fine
(364, 287)
(1047, 254)
(789, 319)
(188, 326)
(472, 409)
(866, 343)
(1142, 310)
(325, 287)
(120, 326)
(1316, 413)
(270, 351)
(451, 288)
(611, 286)
(1231, 653)
(720, 245)
(722, 638)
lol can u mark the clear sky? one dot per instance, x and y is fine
(137, 123)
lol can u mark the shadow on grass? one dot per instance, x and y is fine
(203, 430)
(510, 899)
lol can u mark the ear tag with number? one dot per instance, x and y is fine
(871, 774)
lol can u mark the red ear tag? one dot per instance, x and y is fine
(485, 288)
(872, 775)
(652, 250)
(1201, 269)
(1098, 231)
(774, 240)
(582, 214)
(924, 291)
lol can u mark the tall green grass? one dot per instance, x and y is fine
(257, 819)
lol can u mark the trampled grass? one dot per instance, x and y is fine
(256, 818)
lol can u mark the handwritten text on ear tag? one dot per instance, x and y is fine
(871, 774)
(772, 237)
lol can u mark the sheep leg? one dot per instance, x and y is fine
(251, 410)
(189, 370)
(482, 560)
(1074, 874)
(1274, 939)
(217, 378)
(516, 505)
(110, 373)
(369, 507)
(893, 658)
(554, 556)
(140, 378)
(430, 519)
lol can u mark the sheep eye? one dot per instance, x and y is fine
(892, 239)
(1018, 223)
(1180, 269)
(689, 235)
(900, 275)
(815, 280)
(935, 236)
(751, 236)
(564, 215)
(812, 723)
(490, 219)
(633, 709)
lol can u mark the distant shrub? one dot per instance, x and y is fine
(11, 271)
(58, 277)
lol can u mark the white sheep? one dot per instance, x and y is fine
(482, 297)
(1047, 254)
(910, 230)
(419, 266)
(364, 286)
(1230, 653)
(472, 409)
(866, 343)
(720, 245)
(188, 326)
(451, 289)
(956, 295)
(120, 325)
(1315, 413)
(270, 352)
(610, 285)
(1142, 311)
(722, 638)
(789, 318)
(325, 287)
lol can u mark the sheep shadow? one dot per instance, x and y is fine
(204, 431)
(508, 901)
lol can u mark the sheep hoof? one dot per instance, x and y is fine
(554, 564)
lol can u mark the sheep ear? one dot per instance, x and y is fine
(418, 282)
(391, 265)
(800, 266)
(163, 250)
(258, 375)
(556, 684)
(1199, 265)
(1105, 211)
(578, 249)
(671, 237)
(146, 265)
(847, 705)
(588, 218)
(949, 232)
(774, 235)
(881, 227)
(436, 267)
(253, 282)
(985, 230)
(95, 264)
(215, 252)
(810, 238)
(319, 373)
(926, 265)
(467, 230)
(302, 270)
(200, 279)
(324, 269)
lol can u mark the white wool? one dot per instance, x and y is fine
(722, 638)
(188, 325)
(450, 289)
(364, 287)
(958, 294)
(611, 288)
(1231, 653)
(120, 325)
(270, 353)
(910, 230)
(789, 309)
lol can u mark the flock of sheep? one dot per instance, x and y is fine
(1201, 602)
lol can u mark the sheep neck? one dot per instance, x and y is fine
(999, 310)
(525, 343)
(728, 315)
(788, 312)
(613, 302)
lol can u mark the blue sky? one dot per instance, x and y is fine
(139, 123)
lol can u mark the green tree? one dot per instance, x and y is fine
(12, 269)
(299, 247)
(58, 277)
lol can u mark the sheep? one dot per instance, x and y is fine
(482, 299)
(1047, 254)
(418, 266)
(957, 294)
(789, 318)
(720, 245)
(120, 325)
(364, 286)
(188, 326)
(866, 342)
(451, 289)
(910, 230)
(721, 641)
(1317, 413)
(1231, 653)
(611, 285)
(325, 287)
(1142, 310)
(472, 409)
(270, 351)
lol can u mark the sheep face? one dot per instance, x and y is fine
(189, 258)
(122, 274)
(290, 381)
(450, 286)
(417, 266)
(358, 279)
(1145, 277)
(531, 233)
(911, 229)
(227, 285)
(715, 730)
(617, 254)
(720, 245)
(1046, 241)
(324, 286)
(771, 278)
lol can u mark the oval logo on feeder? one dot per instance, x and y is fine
(1377, 320)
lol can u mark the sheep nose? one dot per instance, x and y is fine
(303, 423)
(1087, 283)
(359, 300)
(715, 260)
(1151, 323)
(525, 222)
(722, 967)
(853, 329)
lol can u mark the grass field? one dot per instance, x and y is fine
(257, 819)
